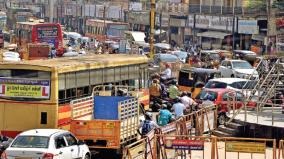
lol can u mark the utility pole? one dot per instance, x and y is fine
(233, 29)
(51, 5)
(152, 28)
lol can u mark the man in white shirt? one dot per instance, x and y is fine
(187, 101)
(167, 73)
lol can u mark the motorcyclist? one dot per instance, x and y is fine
(165, 116)
(167, 73)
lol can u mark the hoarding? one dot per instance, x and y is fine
(247, 27)
(25, 88)
(246, 147)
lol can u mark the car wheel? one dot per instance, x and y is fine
(222, 119)
(87, 156)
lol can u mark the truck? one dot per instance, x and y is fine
(113, 122)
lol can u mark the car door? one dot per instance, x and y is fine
(73, 145)
(229, 72)
(223, 69)
(61, 148)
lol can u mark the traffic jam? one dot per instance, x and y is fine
(110, 92)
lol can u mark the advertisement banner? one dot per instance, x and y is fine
(247, 27)
(25, 88)
(184, 144)
(245, 147)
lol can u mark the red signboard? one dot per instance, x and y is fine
(184, 144)
(280, 22)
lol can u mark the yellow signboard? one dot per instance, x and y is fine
(13, 90)
(246, 147)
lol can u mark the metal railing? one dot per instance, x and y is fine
(264, 89)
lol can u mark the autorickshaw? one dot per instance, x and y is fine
(192, 79)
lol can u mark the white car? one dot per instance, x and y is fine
(47, 144)
(237, 68)
(231, 83)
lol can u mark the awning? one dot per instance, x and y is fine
(258, 37)
(213, 34)
(138, 36)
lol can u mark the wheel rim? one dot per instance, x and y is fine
(222, 120)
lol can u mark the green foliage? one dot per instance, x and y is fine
(278, 5)
(255, 4)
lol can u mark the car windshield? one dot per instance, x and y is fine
(215, 84)
(31, 142)
(243, 84)
(204, 93)
(241, 65)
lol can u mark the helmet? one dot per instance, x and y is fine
(149, 114)
(210, 97)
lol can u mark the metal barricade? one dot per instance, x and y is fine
(205, 147)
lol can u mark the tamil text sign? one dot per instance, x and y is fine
(247, 27)
(246, 147)
(25, 88)
(184, 144)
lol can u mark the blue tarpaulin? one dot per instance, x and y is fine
(106, 107)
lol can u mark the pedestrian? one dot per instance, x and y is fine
(53, 53)
(3, 138)
(147, 125)
(178, 108)
(165, 116)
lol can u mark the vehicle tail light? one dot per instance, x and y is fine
(48, 156)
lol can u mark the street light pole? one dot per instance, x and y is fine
(152, 27)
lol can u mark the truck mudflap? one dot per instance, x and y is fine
(98, 133)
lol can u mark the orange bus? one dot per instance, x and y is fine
(38, 32)
(104, 30)
(39, 93)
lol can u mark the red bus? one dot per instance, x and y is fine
(36, 32)
(104, 30)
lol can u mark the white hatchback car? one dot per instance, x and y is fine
(237, 68)
(47, 144)
(231, 83)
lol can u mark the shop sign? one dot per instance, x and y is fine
(190, 21)
(24, 88)
(247, 27)
(211, 22)
(245, 147)
(184, 144)
(165, 19)
(139, 18)
(280, 22)
(177, 22)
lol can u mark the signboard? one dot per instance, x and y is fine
(247, 27)
(47, 32)
(139, 18)
(184, 144)
(211, 22)
(24, 88)
(246, 147)
(122, 46)
(168, 128)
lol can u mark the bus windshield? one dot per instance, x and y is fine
(20, 84)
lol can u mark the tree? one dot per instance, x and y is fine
(255, 4)
(278, 4)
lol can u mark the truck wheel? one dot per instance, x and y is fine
(222, 119)
(87, 156)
